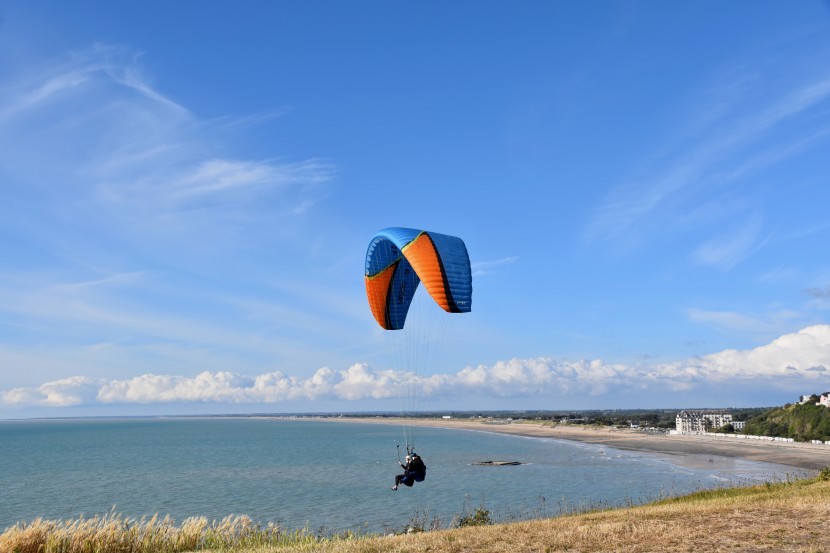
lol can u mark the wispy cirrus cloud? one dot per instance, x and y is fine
(98, 121)
(122, 320)
(718, 152)
(729, 248)
(745, 323)
(122, 215)
(796, 359)
(484, 267)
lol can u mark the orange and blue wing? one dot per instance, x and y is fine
(399, 259)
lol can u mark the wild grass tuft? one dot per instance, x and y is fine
(114, 533)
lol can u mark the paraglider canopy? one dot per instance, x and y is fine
(398, 259)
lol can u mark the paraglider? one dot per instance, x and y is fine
(413, 471)
(398, 260)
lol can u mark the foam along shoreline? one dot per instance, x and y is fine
(689, 450)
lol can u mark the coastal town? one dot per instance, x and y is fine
(719, 422)
(700, 423)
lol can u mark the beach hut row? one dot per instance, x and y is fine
(761, 438)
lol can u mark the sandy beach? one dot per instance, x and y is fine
(688, 450)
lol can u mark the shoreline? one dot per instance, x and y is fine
(684, 449)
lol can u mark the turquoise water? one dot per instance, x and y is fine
(324, 476)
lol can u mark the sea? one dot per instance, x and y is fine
(325, 476)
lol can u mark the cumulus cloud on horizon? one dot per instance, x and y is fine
(803, 356)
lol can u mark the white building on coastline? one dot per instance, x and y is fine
(823, 399)
(694, 422)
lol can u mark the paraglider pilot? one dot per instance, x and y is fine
(413, 471)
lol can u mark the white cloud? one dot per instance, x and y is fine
(801, 358)
(355, 383)
(791, 355)
(67, 392)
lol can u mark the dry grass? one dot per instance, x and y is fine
(116, 534)
(788, 517)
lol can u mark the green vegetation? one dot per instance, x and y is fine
(802, 422)
(479, 517)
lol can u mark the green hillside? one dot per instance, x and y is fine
(803, 422)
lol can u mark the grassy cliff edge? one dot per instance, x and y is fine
(788, 516)
(791, 516)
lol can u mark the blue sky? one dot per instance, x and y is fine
(187, 191)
